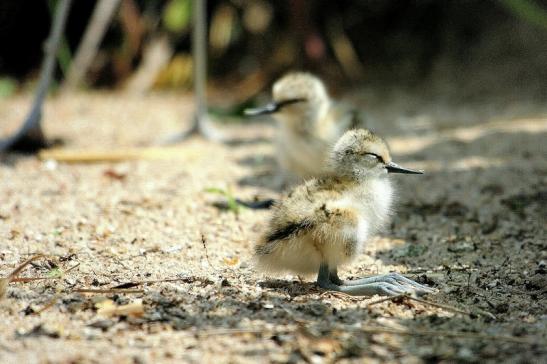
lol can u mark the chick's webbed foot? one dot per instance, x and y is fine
(388, 284)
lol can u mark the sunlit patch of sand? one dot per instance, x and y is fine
(462, 164)
(412, 144)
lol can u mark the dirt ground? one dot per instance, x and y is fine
(474, 226)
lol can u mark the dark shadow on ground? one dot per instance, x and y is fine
(310, 317)
(267, 177)
(478, 233)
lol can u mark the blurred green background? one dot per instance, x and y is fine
(478, 45)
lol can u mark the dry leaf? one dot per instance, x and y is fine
(14, 233)
(108, 308)
(231, 261)
(112, 174)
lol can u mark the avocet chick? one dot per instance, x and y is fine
(309, 124)
(327, 221)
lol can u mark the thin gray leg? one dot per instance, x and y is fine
(201, 122)
(333, 275)
(31, 131)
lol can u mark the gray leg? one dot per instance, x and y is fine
(333, 276)
(30, 136)
(392, 278)
(328, 279)
(201, 124)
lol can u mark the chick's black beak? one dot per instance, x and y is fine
(395, 168)
(271, 107)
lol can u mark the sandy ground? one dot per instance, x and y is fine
(473, 227)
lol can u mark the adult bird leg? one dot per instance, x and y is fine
(30, 135)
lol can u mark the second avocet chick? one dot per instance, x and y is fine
(327, 221)
(309, 124)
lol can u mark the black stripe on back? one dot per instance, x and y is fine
(289, 230)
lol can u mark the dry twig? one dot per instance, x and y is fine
(71, 268)
(430, 303)
(139, 283)
(392, 298)
(339, 294)
(114, 155)
(219, 332)
(48, 305)
(204, 243)
(107, 290)
(30, 279)
(12, 277)
(438, 305)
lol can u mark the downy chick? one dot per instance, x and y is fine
(326, 222)
(309, 123)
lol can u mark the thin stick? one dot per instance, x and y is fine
(230, 332)
(430, 303)
(107, 290)
(16, 279)
(116, 155)
(450, 308)
(48, 305)
(339, 294)
(392, 298)
(71, 268)
(204, 241)
(439, 305)
(5, 281)
(451, 334)
(138, 283)
(30, 279)
(22, 266)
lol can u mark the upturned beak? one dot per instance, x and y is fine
(271, 107)
(395, 168)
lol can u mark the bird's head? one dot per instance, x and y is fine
(297, 95)
(361, 153)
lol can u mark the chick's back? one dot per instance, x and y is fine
(301, 226)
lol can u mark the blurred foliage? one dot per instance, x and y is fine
(55, 272)
(177, 15)
(8, 86)
(177, 74)
(224, 29)
(528, 11)
(232, 204)
(252, 42)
